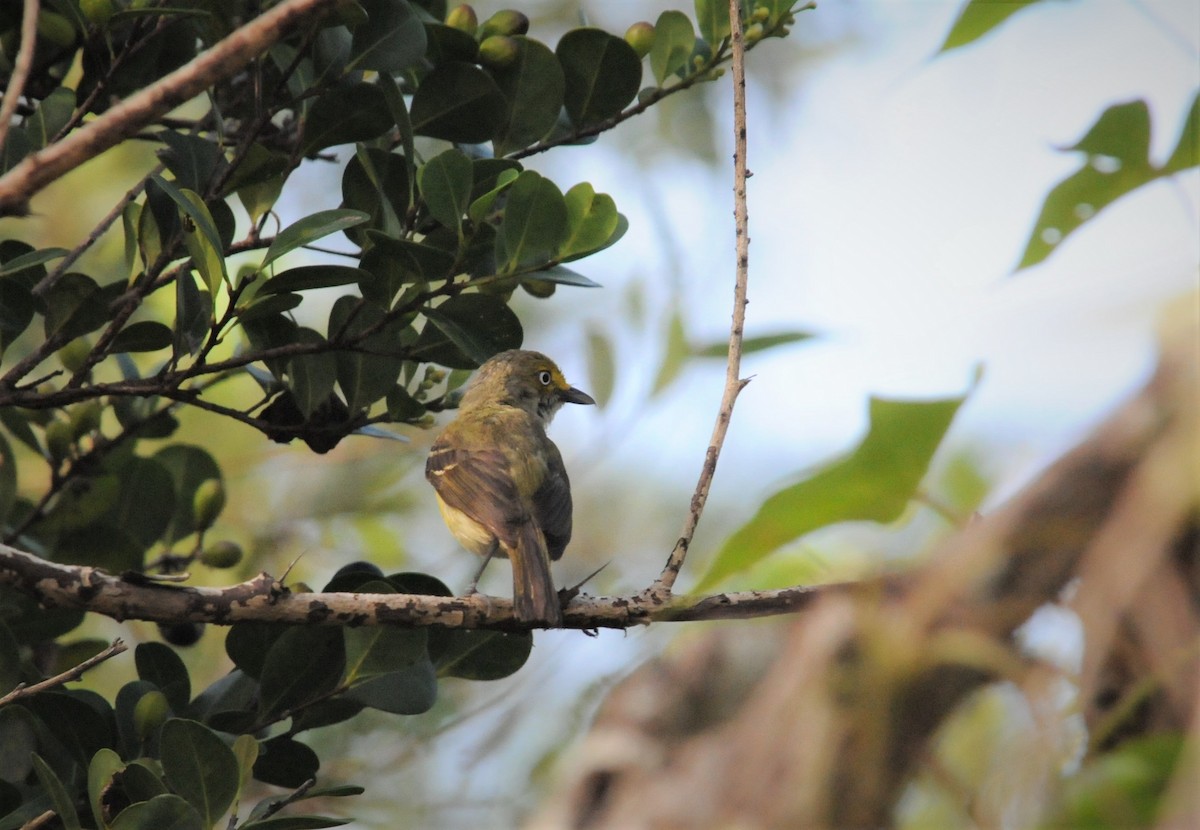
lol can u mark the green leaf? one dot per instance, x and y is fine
(410, 691)
(601, 74)
(753, 344)
(144, 336)
(458, 102)
(368, 373)
(560, 276)
(1122, 788)
(8, 485)
(285, 762)
(64, 804)
(193, 314)
(874, 483)
(480, 655)
(1187, 150)
(373, 651)
(674, 40)
(310, 229)
(592, 220)
(311, 376)
(160, 665)
(75, 305)
(200, 767)
(295, 823)
(533, 85)
(1117, 148)
(32, 259)
(345, 114)
(193, 160)
(534, 225)
(376, 182)
(391, 40)
(188, 467)
(712, 16)
(302, 665)
(163, 812)
(52, 115)
(101, 769)
(482, 204)
(146, 500)
(445, 182)
(977, 18)
(309, 277)
(202, 238)
(98, 543)
(16, 309)
(423, 262)
(466, 330)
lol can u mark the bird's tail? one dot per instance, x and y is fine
(535, 598)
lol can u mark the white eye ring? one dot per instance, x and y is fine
(544, 377)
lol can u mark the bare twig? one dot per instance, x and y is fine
(733, 381)
(16, 84)
(129, 116)
(69, 676)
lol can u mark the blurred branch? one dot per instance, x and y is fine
(16, 82)
(126, 118)
(733, 364)
(876, 675)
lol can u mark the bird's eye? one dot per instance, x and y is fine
(544, 377)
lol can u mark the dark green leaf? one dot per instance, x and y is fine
(98, 544)
(533, 86)
(16, 309)
(445, 182)
(424, 262)
(345, 114)
(560, 276)
(101, 769)
(145, 336)
(72, 718)
(534, 225)
(410, 691)
(146, 500)
(466, 330)
(163, 812)
(31, 259)
(295, 823)
(481, 655)
(364, 376)
(8, 482)
(64, 804)
(449, 44)
(458, 102)
(52, 115)
(269, 306)
(601, 73)
(202, 237)
(160, 665)
(188, 466)
(74, 306)
(674, 40)
(193, 160)
(391, 40)
(10, 660)
(301, 666)
(311, 376)
(193, 314)
(977, 18)
(200, 767)
(753, 344)
(285, 762)
(874, 483)
(308, 277)
(311, 228)
(403, 407)
(16, 147)
(376, 182)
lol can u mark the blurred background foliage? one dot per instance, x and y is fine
(903, 210)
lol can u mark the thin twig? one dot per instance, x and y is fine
(16, 84)
(129, 116)
(69, 676)
(733, 381)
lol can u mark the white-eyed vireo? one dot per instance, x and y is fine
(500, 481)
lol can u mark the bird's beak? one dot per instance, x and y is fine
(573, 395)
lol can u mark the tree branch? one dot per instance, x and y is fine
(129, 116)
(16, 83)
(733, 381)
(69, 676)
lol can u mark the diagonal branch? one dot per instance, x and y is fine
(125, 119)
(16, 82)
(69, 676)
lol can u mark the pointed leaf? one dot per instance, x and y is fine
(311, 228)
(345, 114)
(874, 483)
(309, 277)
(977, 18)
(144, 336)
(466, 330)
(311, 376)
(52, 114)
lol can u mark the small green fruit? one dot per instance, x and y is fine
(507, 22)
(539, 288)
(464, 19)
(222, 554)
(74, 355)
(59, 438)
(208, 502)
(149, 713)
(85, 419)
(55, 28)
(97, 11)
(753, 34)
(498, 51)
(641, 37)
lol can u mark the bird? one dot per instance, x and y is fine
(501, 485)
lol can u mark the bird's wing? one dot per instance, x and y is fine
(552, 503)
(479, 484)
